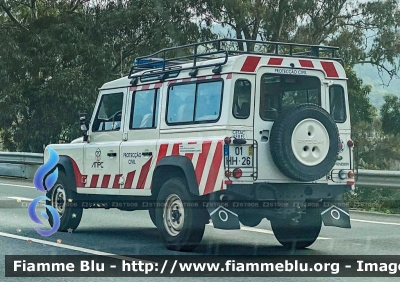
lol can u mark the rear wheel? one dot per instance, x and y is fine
(298, 234)
(63, 199)
(181, 226)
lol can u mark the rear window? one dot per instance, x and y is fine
(279, 92)
(241, 99)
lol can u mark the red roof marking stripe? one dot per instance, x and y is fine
(162, 152)
(187, 79)
(329, 69)
(172, 81)
(158, 85)
(275, 61)
(146, 87)
(175, 149)
(106, 180)
(201, 162)
(229, 76)
(201, 78)
(306, 63)
(129, 179)
(250, 64)
(216, 76)
(93, 182)
(116, 181)
(78, 174)
(143, 174)
(214, 170)
(133, 88)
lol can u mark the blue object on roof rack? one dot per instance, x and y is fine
(149, 63)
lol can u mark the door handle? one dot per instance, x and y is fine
(147, 154)
(112, 154)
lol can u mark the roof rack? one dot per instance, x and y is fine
(167, 63)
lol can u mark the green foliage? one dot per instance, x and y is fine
(390, 115)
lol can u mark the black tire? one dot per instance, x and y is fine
(152, 213)
(63, 199)
(298, 235)
(173, 199)
(251, 220)
(299, 153)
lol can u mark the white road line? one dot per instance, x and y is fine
(69, 247)
(375, 222)
(15, 185)
(21, 198)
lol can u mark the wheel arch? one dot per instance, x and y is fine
(174, 166)
(65, 164)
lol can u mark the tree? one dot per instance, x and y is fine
(56, 54)
(390, 115)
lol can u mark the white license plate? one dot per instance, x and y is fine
(239, 156)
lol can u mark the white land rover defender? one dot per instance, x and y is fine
(207, 131)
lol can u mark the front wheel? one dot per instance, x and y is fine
(181, 226)
(298, 234)
(63, 199)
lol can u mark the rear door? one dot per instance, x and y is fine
(277, 89)
(141, 133)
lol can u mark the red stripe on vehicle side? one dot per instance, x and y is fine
(93, 182)
(201, 78)
(216, 76)
(306, 63)
(116, 180)
(133, 88)
(186, 79)
(172, 81)
(78, 174)
(214, 170)
(145, 87)
(106, 180)
(250, 64)
(158, 85)
(275, 61)
(189, 156)
(143, 174)
(162, 152)
(229, 76)
(175, 149)
(201, 162)
(329, 69)
(129, 179)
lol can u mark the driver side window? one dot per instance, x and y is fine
(108, 117)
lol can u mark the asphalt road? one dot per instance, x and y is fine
(132, 233)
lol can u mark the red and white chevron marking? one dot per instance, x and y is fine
(207, 164)
(251, 63)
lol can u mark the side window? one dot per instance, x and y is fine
(337, 103)
(241, 99)
(144, 112)
(181, 103)
(108, 117)
(194, 102)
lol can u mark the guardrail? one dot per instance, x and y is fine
(18, 164)
(25, 165)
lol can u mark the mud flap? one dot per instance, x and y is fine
(223, 218)
(335, 213)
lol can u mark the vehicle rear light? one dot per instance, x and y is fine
(350, 143)
(237, 173)
(227, 140)
(228, 173)
(350, 174)
(343, 174)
